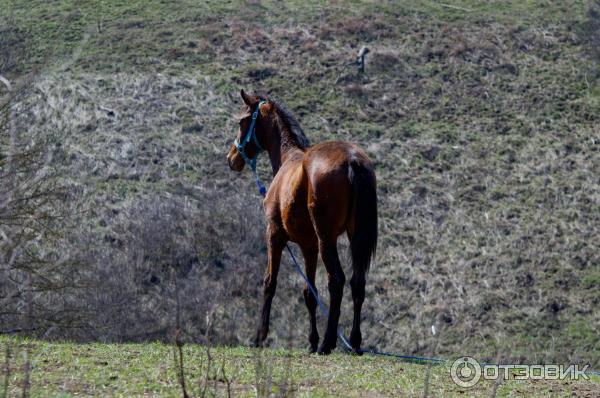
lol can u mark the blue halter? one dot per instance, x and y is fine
(251, 135)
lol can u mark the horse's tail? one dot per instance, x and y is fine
(364, 239)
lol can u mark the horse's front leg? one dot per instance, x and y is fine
(276, 241)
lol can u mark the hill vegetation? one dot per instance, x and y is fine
(482, 119)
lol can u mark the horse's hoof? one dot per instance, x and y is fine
(324, 350)
(312, 350)
(355, 340)
(259, 343)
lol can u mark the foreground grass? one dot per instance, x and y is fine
(66, 369)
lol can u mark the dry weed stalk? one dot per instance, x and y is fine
(7, 370)
(497, 382)
(436, 337)
(263, 374)
(204, 382)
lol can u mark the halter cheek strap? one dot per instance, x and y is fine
(251, 135)
(240, 146)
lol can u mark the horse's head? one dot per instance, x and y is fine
(251, 135)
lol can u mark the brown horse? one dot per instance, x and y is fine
(317, 193)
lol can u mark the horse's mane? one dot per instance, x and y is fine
(290, 122)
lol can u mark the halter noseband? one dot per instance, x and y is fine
(251, 135)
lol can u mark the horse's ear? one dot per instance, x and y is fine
(247, 99)
(265, 109)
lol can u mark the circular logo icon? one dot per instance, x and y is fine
(465, 372)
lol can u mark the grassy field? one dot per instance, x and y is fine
(482, 118)
(135, 370)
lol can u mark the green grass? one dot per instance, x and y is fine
(132, 370)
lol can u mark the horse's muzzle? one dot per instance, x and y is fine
(234, 160)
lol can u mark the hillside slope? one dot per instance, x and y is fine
(482, 119)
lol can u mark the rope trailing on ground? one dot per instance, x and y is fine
(262, 190)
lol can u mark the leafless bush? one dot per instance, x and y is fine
(591, 30)
(13, 45)
(158, 248)
(30, 215)
(116, 279)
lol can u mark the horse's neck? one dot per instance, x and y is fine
(285, 149)
(283, 155)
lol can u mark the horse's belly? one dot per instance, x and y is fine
(297, 223)
(294, 211)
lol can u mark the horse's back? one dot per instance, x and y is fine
(328, 167)
(333, 155)
(329, 163)
(313, 194)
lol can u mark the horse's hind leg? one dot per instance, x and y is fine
(311, 254)
(336, 280)
(357, 283)
(328, 212)
(275, 243)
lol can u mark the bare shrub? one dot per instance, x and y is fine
(13, 46)
(590, 32)
(30, 216)
(160, 247)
